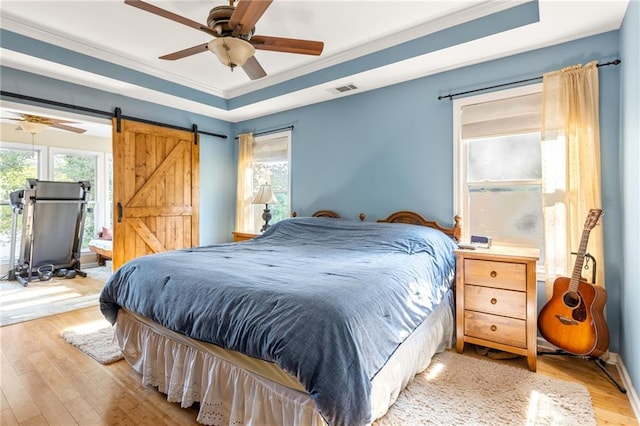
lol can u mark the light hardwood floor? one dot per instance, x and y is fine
(45, 381)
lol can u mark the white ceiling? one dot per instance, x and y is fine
(131, 38)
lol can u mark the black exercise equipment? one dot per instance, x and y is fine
(52, 227)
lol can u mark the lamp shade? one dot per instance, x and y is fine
(231, 51)
(265, 195)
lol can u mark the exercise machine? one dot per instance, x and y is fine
(53, 216)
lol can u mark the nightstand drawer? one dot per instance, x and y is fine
(510, 276)
(508, 331)
(496, 301)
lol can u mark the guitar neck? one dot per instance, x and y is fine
(577, 268)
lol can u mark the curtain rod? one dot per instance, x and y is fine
(116, 113)
(451, 95)
(266, 132)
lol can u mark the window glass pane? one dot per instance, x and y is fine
(511, 215)
(74, 168)
(510, 157)
(277, 175)
(16, 166)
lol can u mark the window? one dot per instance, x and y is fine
(498, 167)
(270, 164)
(18, 162)
(73, 166)
(262, 160)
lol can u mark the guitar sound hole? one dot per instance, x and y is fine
(571, 299)
(574, 301)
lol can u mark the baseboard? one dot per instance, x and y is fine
(631, 392)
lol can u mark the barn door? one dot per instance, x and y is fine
(155, 190)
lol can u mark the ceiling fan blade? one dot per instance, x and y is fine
(170, 15)
(288, 45)
(56, 121)
(68, 128)
(253, 69)
(247, 14)
(186, 52)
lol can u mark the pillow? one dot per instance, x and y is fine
(106, 234)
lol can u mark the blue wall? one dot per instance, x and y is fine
(392, 148)
(630, 179)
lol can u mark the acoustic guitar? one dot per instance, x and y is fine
(573, 319)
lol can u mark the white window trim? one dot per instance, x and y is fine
(285, 134)
(459, 153)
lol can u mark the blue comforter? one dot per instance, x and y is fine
(328, 300)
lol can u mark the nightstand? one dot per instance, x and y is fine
(496, 301)
(243, 236)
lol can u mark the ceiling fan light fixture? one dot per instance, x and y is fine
(31, 127)
(231, 51)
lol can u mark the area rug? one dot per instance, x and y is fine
(463, 390)
(99, 344)
(44, 298)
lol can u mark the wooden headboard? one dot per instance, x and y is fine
(413, 218)
(329, 213)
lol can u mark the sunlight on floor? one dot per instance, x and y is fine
(539, 403)
(37, 298)
(89, 327)
(17, 295)
(435, 371)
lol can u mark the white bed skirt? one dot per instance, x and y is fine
(187, 372)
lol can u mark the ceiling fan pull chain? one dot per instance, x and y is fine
(228, 50)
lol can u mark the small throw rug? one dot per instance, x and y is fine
(463, 390)
(99, 344)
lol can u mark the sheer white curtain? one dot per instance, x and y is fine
(244, 208)
(571, 167)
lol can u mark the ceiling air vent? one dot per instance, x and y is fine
(341, 89)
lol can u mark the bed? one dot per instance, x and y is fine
(319, 320)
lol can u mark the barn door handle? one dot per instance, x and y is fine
(119, 212)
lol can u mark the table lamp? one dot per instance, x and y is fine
(265, 196)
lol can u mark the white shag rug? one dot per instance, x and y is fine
(99, 345)
(463, 390)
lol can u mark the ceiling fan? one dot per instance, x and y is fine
(35, 124)
(234, 41)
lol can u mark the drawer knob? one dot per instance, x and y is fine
(494, 328)
(494, 300)
(494, 274)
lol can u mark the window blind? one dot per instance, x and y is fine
(271, 150)
(516, 115)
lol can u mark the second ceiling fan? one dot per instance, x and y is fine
(234, 41)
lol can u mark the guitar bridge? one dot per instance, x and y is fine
(566, 321)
